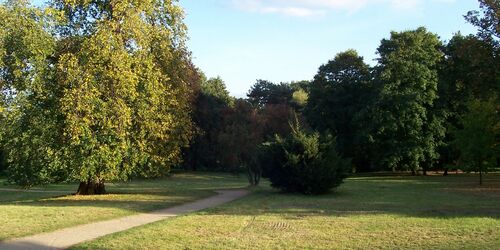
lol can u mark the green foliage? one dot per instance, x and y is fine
(338, 93)
(469, 71)
(408, 129)
(478, 138)
(29, 109)
(300, 98)
(210, 107)
(97, 91)
(264, 92)
(216, 88)
(304, 163)
(3, 163)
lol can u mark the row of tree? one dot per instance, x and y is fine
(96, 91)
(425, 105)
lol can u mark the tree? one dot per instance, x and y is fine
(28, 111)
(210, 107)
(239, 140)
(264, 92)
(338, 93)
(478, 138)
(304, 162)
(407, 127)
(275, 105)
(300, 98)
(487, 20)
(469, 71)
(105, 96)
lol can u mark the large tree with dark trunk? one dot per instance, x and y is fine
(94, 91)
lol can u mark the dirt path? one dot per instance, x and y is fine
(65, 238)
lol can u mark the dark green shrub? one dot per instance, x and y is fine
(304, 163)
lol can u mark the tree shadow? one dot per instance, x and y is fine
(422, 197)
(23, 245)
(433, 196)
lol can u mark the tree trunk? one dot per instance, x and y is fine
(254, 176)
(480, 177)
(91, 188)
(445, 172)
(257, 176)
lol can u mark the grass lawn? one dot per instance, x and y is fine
(365, 213)
(49, 208)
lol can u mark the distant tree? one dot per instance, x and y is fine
(478, 138)
(487, 20)
(275, 105)
(300, 95)
(239, 140)
(407, 128)
(469, 71)
(209, 108)
(304, 162)
(300, 98)
(96, 91)
(338, 93)
(274, 119)
(264, 92)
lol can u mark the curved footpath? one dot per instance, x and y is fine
(68, 237)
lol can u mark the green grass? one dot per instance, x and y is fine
(49, 208)
(365, 213)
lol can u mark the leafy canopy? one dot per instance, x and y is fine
(101, 89)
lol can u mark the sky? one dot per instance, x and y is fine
(287, 40)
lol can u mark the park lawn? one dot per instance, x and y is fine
(53, 207)
(365, 213)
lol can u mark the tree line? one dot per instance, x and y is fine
(96, 91)
(426, 105)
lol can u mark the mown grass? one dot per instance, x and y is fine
(365, 213)
(24, 212)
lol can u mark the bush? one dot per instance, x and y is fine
(304, 163)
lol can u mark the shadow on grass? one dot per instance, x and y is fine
(423, 197)
(24, 246)
(432, 196)
(136, 196)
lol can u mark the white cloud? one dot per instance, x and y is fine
(307, 8)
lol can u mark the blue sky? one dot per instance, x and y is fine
(286, 40)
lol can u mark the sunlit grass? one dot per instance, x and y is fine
(365, 213)
(53, 207)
